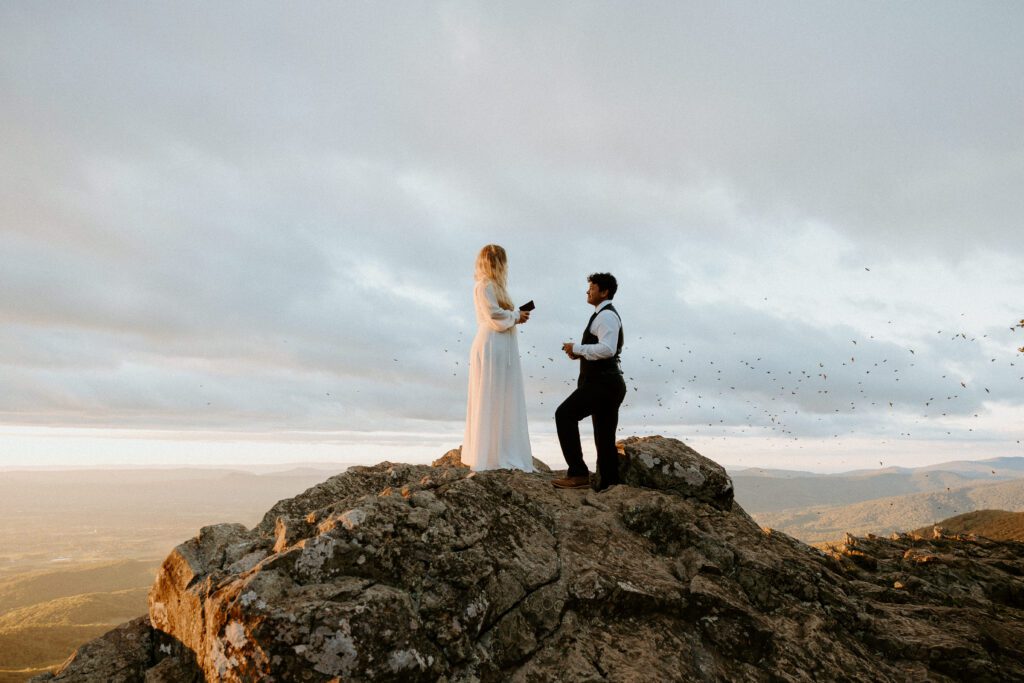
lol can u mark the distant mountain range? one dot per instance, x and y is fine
(818, 508)
(762, 490)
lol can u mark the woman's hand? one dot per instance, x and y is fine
(523, 317)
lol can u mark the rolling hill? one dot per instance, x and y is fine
(827, 523)
(765, 490)
(45, 615)
(998, 525)
(37, 587)
(758, 494)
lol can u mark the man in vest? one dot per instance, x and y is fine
(599, 391)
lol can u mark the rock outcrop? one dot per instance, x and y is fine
(415, 573)
(132, 652)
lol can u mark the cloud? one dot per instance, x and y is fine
(257, 219)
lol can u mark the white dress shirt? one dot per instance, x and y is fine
(606, 328)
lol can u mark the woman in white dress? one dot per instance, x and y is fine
(496, 433)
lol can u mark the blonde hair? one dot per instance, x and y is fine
(492, 266)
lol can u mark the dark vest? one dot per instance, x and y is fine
(604, 366)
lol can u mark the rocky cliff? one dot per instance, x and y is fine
(414, 573)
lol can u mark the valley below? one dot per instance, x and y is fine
(81, 548)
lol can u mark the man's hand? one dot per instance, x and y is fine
(567, 347)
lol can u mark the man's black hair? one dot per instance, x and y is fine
(604, 281)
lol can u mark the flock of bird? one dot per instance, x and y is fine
(706, 392)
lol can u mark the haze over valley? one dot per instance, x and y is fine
(81, 547)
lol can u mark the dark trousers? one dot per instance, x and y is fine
(600, 398)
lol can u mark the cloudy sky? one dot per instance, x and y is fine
(245, 232)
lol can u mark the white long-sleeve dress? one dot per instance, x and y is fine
(496, 435)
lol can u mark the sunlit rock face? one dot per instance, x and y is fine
(417, 573)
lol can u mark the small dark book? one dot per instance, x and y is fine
(528, 306)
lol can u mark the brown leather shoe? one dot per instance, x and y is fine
(580, 482)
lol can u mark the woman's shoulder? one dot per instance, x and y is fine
(483, 285)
